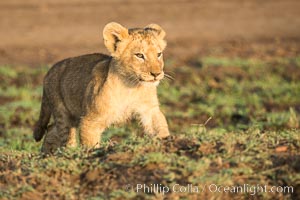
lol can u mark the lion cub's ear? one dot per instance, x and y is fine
(112, 34)
(157, 29)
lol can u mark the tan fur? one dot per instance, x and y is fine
(113, 90)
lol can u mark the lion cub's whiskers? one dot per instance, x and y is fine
(169, 77)
(133, 80)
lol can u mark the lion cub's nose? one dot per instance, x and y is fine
(155, 74)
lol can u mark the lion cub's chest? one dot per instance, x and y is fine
(119, 102)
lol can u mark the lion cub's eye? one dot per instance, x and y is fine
(140, 55)
(159, 54)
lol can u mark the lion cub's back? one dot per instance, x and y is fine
(68, 79)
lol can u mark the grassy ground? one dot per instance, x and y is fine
(234, 121)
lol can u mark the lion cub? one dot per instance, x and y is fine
(94, 91)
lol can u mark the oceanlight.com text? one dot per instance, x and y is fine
(213, 188)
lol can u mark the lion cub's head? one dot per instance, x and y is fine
(138, 51)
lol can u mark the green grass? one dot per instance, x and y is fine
(233, 121)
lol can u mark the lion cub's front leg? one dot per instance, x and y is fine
(91, 129)
(155, 123)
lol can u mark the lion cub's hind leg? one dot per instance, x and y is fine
(91, 129)
(51, 141)
(72, 141)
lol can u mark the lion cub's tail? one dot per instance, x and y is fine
(41, 125)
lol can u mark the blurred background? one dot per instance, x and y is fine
(35, 32)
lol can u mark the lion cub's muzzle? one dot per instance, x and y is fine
(152, 76)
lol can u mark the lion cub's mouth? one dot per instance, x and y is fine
(149, 81)
(154, 82)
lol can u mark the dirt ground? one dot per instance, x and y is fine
(35, 32)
